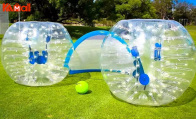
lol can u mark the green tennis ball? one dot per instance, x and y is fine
(82, 87)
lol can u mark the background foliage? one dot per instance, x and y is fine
(88, 12)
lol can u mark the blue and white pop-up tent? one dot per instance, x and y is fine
(85, 54)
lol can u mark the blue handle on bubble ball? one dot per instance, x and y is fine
(35, 57)
(143, 78)
(157, 52)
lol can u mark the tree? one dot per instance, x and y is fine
(66, 9)
(83, 9)
(42, 10)
(185, 10)
(193, 15)
(87, 11)
(127, 9)
(164, 7)
(147, 10)
(105, 9)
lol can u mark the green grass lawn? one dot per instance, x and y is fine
(62, 101)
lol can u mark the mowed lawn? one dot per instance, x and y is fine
(61, 100)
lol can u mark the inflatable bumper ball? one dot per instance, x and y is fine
(148, 62)
(33, 53)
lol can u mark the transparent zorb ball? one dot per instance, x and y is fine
(148, 62)
(33, 53)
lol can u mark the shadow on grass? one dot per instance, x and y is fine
(89, 92)
(73, 79)
(188, 96)
(1, 36)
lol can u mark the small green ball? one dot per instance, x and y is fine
(82, 87)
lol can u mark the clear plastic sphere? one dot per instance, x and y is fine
(148, 62)
(33, 53)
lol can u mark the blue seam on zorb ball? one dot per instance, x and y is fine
(144, 79)
(189, 42)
